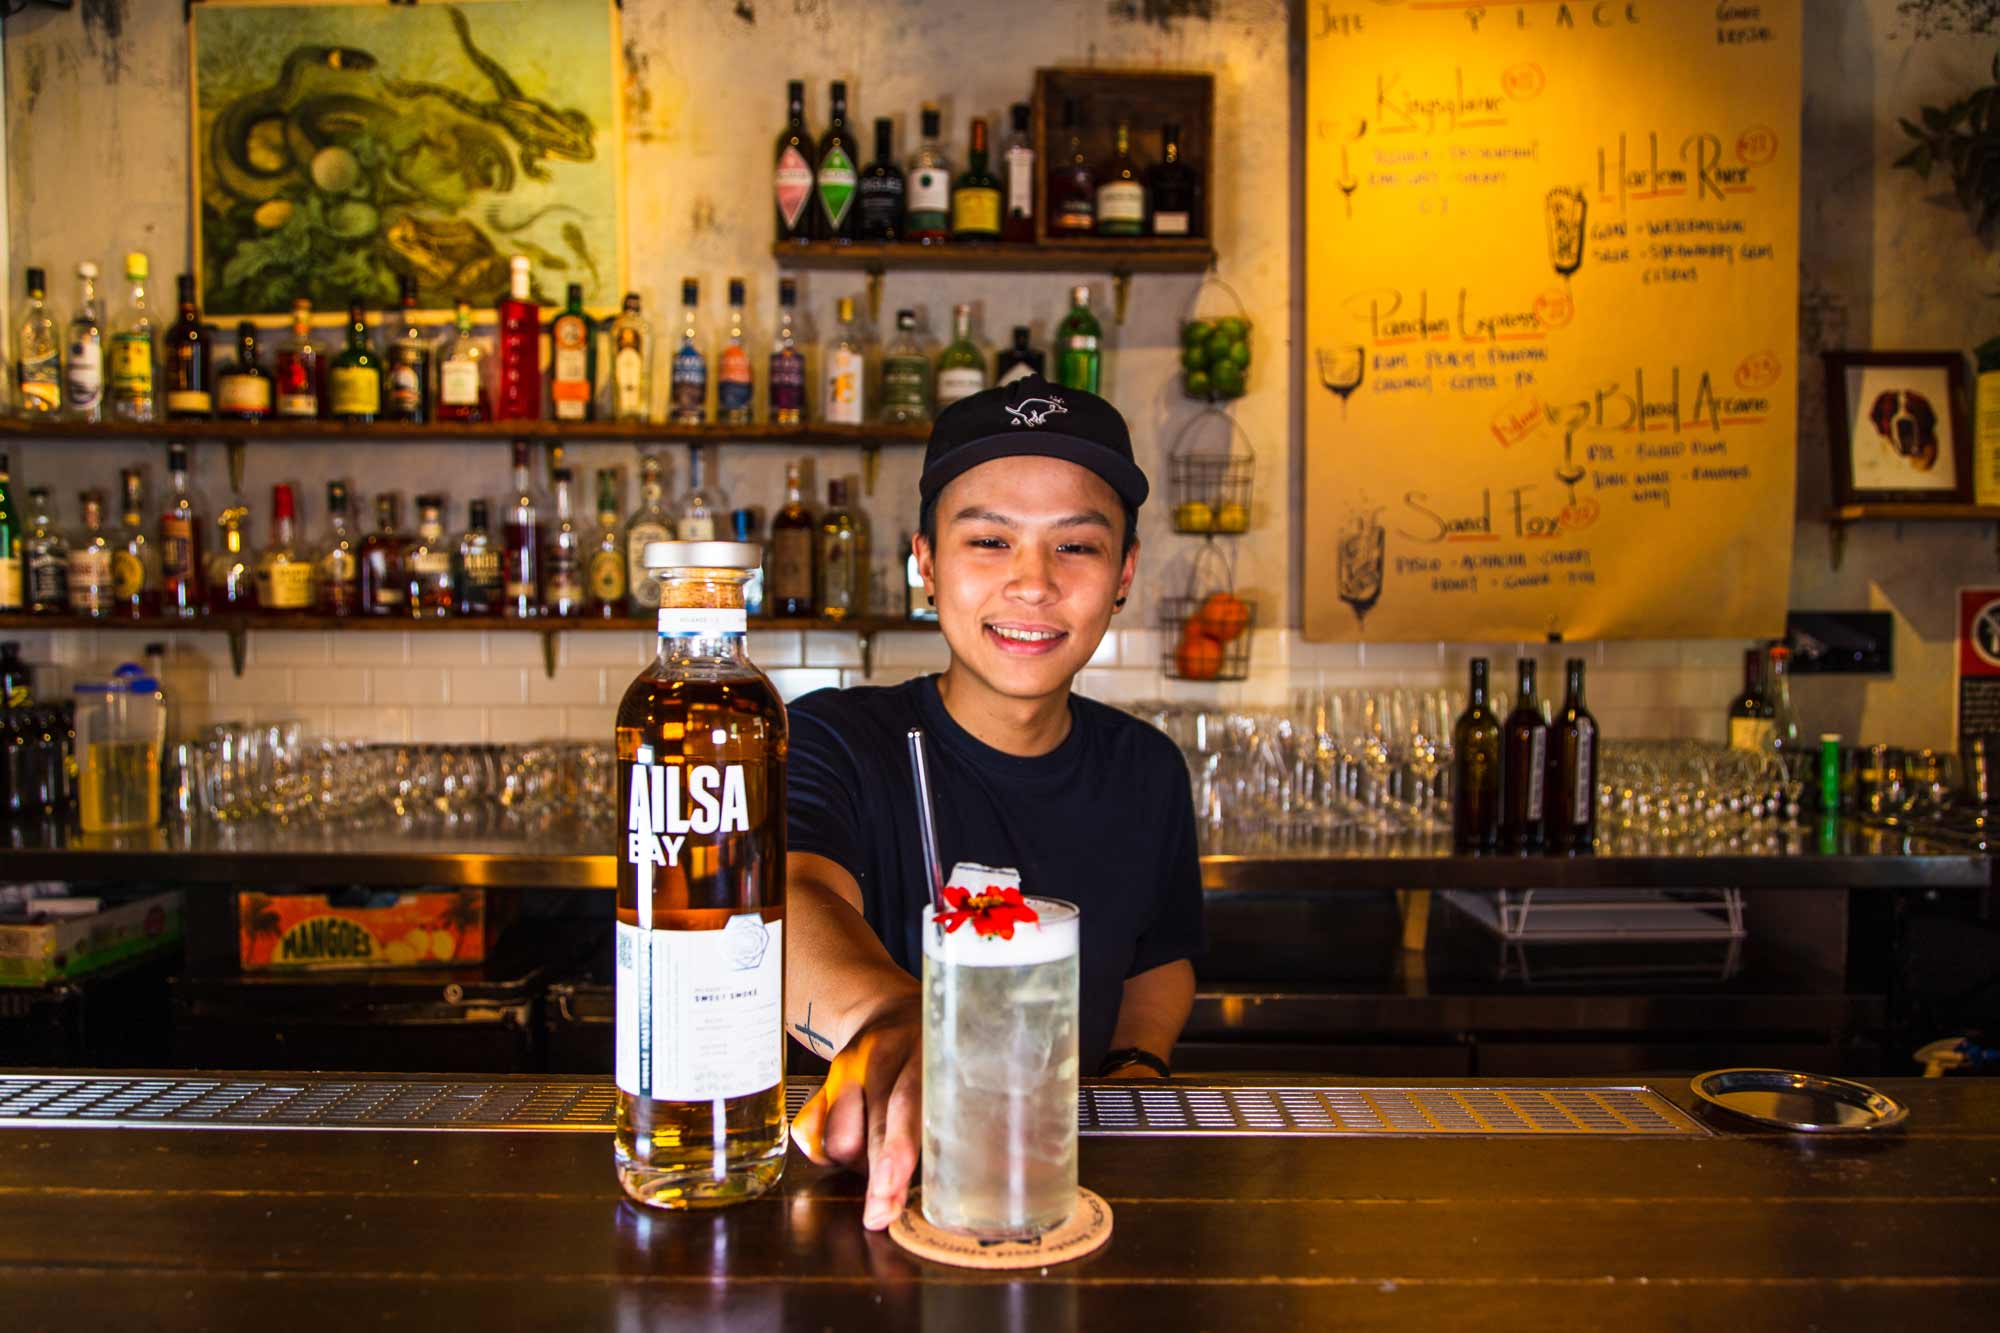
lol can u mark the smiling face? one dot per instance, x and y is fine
(1027, 565)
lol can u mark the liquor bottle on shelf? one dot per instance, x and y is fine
(1784, 717)
(843, 558)
(1019, 360)
(301, 369)
(975, 196)
(1018, 167)
(37, 354)
(605, 577)
(476, 566)
(135, 565)
(837, 174)
(701, 512)
(1121, 194)
(1079, 356)
(83, 375)
(631, 364)
(562, 559)
(519, 396)
(845, 400)
(243, 389)
(743, 528)
(284, 574)
(1523, 811)
(1572, 793)
(881, 190)
(180, 542)
(337, 565)
(463, 364)
(427, 566)
(131, 369)
(794, 558)
(927, 218)
(961, 367)
(906, 374)
(90, 588)
(1476, 770)
(188, 360)
(689, 405)
(1170, 188)
(1750, 712)
(406, 393)
(573, 360)
(13, 548)
(701, 1120)
(229, 578)
(649, 523)
(45, 556)
(786, 385)
(385, 587)
(792, 176)
(354, 387)
(1072, 193)
(521, 562)
(735, 390)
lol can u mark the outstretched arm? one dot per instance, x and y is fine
(1153, 1011)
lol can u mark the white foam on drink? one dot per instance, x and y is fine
(1050, 940)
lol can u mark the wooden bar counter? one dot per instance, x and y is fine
(494, 1229)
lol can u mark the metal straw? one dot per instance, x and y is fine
(927, 818)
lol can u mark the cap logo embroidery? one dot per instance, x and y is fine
(1035, 411)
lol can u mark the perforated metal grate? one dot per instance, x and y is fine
(321, 1102)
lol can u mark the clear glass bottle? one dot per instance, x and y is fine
(521, 565)
(301, 370)
(605, 578)
(961, 369)
(1018, 162)
(132, 369)
(385, 588)
(690, 375)
(573, 360)
(735, 391)
(180, 542)
(975, 195)
(37, 354)
(45, 556)
(1121, 193)
(843, 557)
(83, 375)
(229, 578)
(562, 562)
(1784, 717)
(464, 390)
(927, 217)
(135, 565)
(284, 574)
(794, 562)
(354, 385)
(631, 364)
(477, 568)
(337, 564)
(428, 565)
(243, 388)
(90, 586)
(701, 1120)
(1079, 356)
(906, 374)
(649, 523)
(787, 382)
(406, 386)
(845, 372)
(703, 509)
(518, 395)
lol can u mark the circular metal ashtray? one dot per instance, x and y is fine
(1802, 1103)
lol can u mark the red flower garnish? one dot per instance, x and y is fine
(992, 912)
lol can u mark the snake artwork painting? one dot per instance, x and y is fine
(341, 148)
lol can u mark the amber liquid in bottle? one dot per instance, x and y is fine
(701, 875)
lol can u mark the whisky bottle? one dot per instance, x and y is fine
(1121, 193)
(384, 587)
(284, 575)
(477, 566)
(180, 542)
(428, 566)
(337, 567)
(135, 564)
(700, 1046)
(187, 355)
(463, 393)
(520, 570)
(406, 388)
(793, 552)
(45, 556)
(243, 388)
(355, 386)
(300, 368)
(843, 557)
(90, 560)
(231, 583)
(975, 195)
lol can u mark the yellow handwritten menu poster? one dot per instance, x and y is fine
(1552, 308)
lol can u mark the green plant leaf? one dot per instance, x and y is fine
(1910, 128)
(1935, 118)
(1918, 159)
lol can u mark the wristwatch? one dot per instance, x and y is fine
(1132, 1055)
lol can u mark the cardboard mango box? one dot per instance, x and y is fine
(58, 948)
(321, 932)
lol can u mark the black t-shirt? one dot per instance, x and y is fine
(1105, 821)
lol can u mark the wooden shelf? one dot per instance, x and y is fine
(319, 432)
(1900, 512)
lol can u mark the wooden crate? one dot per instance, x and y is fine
(1147, 99)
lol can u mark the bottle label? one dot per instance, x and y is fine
(1538, 758)
(690, 384)
(429, 562)
(246, 394)
(1170, 223)
(41, 382)
(176, 547)
(696, 528)
(480, 571)
(11, 590)
(955, 382)
(128, 576)
(1986, 440)
(406, 386)
(844, 370)
(83, 382)
(48, 576)
(791, 565)
(298, 404)
(562, 581)
(285, 585)
(607, 577)
(788, 382)
(702, 622)
(131, 367)
(1020, 181)
(930, 199)
(1077, 368)
(1581, 798)
(1751, 733)
(700, 1012)
(881, 204)
(1121, 203)
(356, 391)
(628, 381)
(1078, 212)
(1020, 370)
(90, 579)
(976, 211)
(645, 588)
(569, 383)
(732, 384)
(339, 589)
(794, 179)
(836, 187)
(903, 382)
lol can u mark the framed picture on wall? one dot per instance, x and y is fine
(1899, 427)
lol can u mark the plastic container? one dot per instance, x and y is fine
(121, 725)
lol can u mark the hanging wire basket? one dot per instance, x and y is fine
(1215, 349)
(1206, 631)
(1210, 487)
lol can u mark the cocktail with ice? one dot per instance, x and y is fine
(1000, 1063)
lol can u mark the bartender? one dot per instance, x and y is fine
(1027, 545)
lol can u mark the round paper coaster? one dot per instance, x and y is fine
(1083, 1232)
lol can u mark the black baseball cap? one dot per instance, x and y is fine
(1031, 417)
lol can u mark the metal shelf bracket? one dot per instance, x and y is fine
(1121, 289)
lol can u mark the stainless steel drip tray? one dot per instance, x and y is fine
(407, 1102)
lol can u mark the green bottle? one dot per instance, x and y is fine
(356, 381)
(906, 373)
(13, 593)
(961, 366)
(1079, 359)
